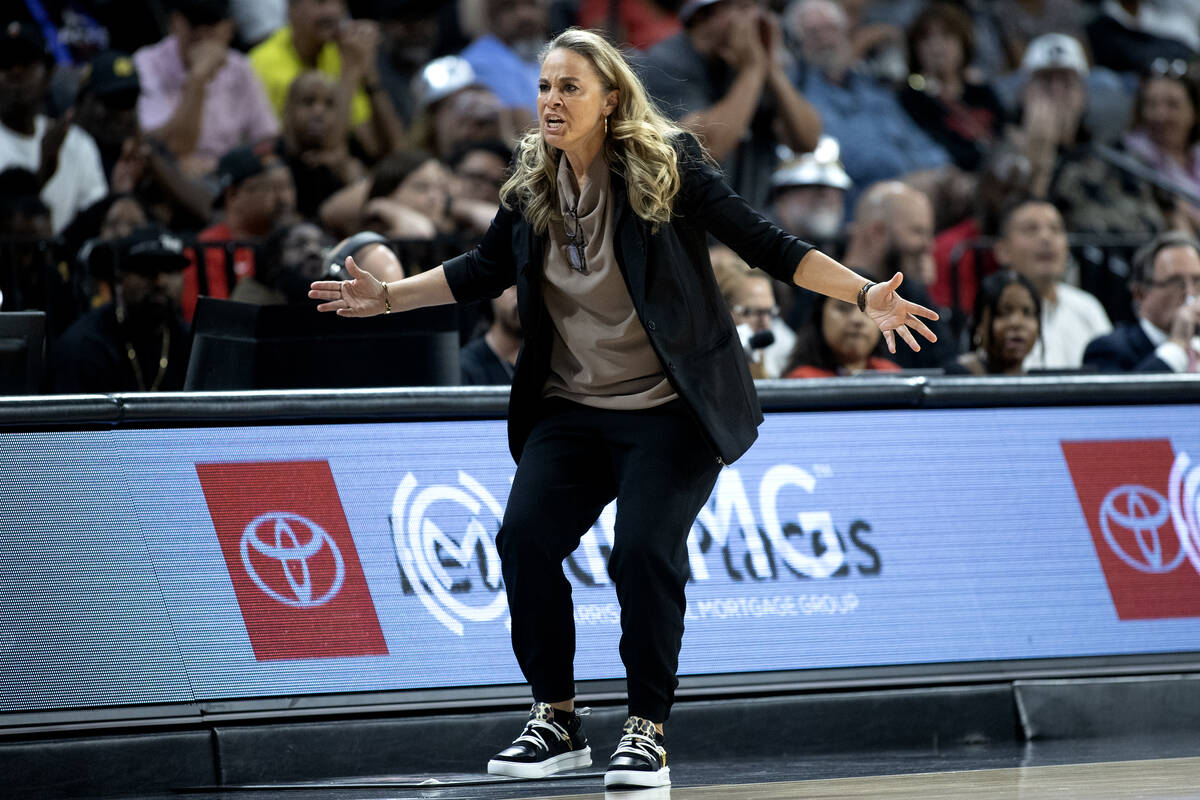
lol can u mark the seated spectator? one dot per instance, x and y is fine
(491, 359)
(1165, 130)
(319, 37)
(199, 96)
(1005, 327)
(1003, 180)
(1092, 195)
(106, 109)
(258, 196)
(481, 167)
(314, 143)
(722, 78)
(453, 107)
(851, 103)
(138, 342)
(106, 106)
(838, 339)
(505, 58)
(893, 232)
(64, 157)
(963, 116)
(766, 339)
(291, 258)
(1127, 36)
(407, 197)
(112, 218)
(1166, 293)
(1033, 241)
(808, 194)
(409, 30)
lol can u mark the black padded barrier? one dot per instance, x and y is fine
(457, 402)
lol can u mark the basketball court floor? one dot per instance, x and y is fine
(1150, 767)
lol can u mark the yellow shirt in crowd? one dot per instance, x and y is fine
(278, 64)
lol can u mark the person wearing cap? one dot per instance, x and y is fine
(453, 107)
(319, 35)
(258, 195)
(106, 106)
(631, 385)
(808, 194)
(1091, 194)
(63, 156)
(723, 78)
(199, 96)
(138, 342)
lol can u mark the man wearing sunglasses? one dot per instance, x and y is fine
(1166, 293)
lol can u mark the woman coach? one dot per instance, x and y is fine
(631, 385)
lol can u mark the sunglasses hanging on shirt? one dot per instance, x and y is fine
(576, 245)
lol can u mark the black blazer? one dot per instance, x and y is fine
(1126, 349)
(674, 293)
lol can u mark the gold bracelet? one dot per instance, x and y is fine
(387, 303)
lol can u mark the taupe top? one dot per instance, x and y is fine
(600, 356)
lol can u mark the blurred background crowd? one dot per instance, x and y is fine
(1032, 166)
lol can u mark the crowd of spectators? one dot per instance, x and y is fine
(1031, 166)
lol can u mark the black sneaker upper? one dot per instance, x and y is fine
(547, 734)
(641, 747)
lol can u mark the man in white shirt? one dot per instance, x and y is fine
(1033, 241)
(63, 156)
(1166, 292)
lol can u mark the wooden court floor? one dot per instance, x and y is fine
(1153, 779)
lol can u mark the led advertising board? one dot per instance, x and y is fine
(200, 564)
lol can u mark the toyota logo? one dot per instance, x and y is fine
(293, 542)
(1131, 518)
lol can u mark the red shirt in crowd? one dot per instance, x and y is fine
(216, 269)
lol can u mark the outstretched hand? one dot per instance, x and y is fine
(362, 296)
(893, 314)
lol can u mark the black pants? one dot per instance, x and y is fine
(661, 471)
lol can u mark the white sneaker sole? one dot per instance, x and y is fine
(638, 778)
(576, 759)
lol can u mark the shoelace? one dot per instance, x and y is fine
(638, 745)
(531, 736)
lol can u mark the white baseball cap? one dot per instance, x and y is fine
(441, 78)
(822, 167)
(1055, 51)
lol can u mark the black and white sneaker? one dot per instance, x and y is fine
(548, 745)
(640, 759)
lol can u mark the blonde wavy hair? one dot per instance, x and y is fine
(638, 144)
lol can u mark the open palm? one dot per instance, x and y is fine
(895, 315)
(362, 296)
